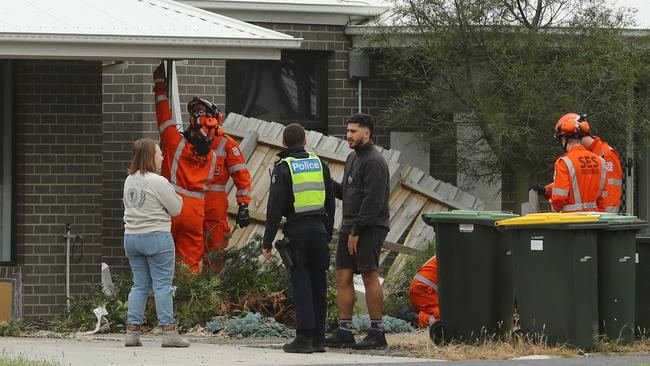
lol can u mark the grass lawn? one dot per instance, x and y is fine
(6, 360)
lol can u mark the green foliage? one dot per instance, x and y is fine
(390, 324)
(396, 287)
(11, 328)
(332, 307)
(246, 283)
(9, 360)
(484, 66)
(80, 315)
(251, 325)
(196, 299)
(244, 272)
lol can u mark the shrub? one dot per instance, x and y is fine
(245, 284)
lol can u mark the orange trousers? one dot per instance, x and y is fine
(215, 225)
(425, 299)
(187, 230)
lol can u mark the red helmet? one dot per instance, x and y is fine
(572, 125)
(204, 117)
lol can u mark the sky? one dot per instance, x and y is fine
(643, 15)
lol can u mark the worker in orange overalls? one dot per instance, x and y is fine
(231, 162)
(613, 167)
(579, 182)
(189, 165)
(423, 293)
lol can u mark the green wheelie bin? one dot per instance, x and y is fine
(616, 276)
(642, 259)
(474, 275)
(555, 260)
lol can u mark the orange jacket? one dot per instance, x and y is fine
(579, 182)
(614, 172)
(187, 170)
(230, 162)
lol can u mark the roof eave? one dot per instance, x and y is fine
(290, 13)
(90, 47)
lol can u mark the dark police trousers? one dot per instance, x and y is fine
(309, 281)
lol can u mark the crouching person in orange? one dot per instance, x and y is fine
(423, 293)
(579, 182)
(231, 162)
(189, 164)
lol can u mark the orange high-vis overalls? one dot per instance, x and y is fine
(579, 182)
(423, 293)
(231, 162)
(614, 172)
(189, 172)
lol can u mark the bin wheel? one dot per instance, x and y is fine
(439, 333)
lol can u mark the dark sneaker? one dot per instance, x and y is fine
(319, 347)
(374, 340)
(301, 344)
(318, 341)
(340, 339)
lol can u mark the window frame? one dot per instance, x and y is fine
(8, 252)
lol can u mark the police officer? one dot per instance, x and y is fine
(301, 191)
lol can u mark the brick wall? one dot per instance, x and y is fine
(58, 178)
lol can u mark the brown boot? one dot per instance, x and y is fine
(171, 338)
(132, 336)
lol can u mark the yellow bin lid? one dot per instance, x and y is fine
(548, 218)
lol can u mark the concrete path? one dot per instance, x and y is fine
(111, 351)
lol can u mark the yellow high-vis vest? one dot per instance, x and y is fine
(308, 183)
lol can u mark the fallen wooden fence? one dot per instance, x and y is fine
(413, 192)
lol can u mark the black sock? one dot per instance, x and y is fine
(375, 325)
(345, 325)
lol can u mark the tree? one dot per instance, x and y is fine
(510, 69)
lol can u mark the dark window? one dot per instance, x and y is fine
(293, 89)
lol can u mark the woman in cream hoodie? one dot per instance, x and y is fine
(149, 204)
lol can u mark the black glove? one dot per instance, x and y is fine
(539, 188)
(243, 216)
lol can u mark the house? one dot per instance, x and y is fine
(59, 137)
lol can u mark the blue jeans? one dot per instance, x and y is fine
(151, 256)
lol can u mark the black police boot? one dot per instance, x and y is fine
(318, 342)
(374, 340)
(302, 344)
(340, 339)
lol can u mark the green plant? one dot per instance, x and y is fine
(244, 272)
(397, 286)
(8, 360)
(11, 328)
(197, 297)
(245, 284)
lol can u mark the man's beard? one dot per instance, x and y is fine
(202, 146)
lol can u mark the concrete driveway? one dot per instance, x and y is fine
(111, 351)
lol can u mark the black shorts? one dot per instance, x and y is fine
(366, 258)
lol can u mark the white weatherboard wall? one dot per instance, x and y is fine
(413, 151)
(471, 144)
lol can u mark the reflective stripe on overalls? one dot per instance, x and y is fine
(308, 183)
(578, 204)
(428, 282)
